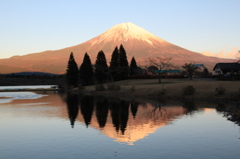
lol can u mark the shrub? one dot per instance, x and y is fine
(113, 87)
(189, 90)
(220, 90)
(189, 105)
(99, 87)
(80, 87)
(132, 88)
(162, 92)
(235, 95)
(70, 87)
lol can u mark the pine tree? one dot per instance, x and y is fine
(101, 67)
(72, 72)
(86, 71)
(133, 66)
(114, 65)
(123, 62)
(115, 58)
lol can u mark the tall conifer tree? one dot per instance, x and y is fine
(72, 72)
(114, 64)
(115, 58)
(101, 67)
(133, 66)
(86, 71)
(123, 62)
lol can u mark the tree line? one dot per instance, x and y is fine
(119, 110)
(118, 69)
(88, 74)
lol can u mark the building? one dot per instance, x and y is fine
(227, 68)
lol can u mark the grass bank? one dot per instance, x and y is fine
(171, 89)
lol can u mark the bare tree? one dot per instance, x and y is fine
(190, 69)
(159, 64)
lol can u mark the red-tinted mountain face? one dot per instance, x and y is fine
(136, 41)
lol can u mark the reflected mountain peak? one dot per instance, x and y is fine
(113, 118)
(125, 121)
(43, 118)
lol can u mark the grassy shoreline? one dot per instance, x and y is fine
(168, 89)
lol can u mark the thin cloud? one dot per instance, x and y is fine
(207, 53)
(223, 54)
(237, 55)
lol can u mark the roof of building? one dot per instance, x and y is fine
(167, 71)
(234, 65)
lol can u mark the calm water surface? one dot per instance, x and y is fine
(26, 87)
(62, 126)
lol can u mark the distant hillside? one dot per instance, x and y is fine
(32, 73)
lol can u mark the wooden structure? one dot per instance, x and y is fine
(227, 68)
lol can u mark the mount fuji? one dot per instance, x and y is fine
(136, 41)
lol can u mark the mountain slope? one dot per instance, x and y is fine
(136, 41)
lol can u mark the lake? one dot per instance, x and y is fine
(61, 126)
(27, 87)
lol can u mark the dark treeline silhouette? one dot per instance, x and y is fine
(230, 111)
(102, 106)
(87, 107)
(119, 110)
(86, 71)
(189, 106)
(114, 65)
(72, 72)
(123, 114)
(101, 68)
(73, 107)
(123, 64)
(118, 69)
(119, 113)
(133, 67)
(89, 74)
(134, 108)
(32, 78)
(115, 109)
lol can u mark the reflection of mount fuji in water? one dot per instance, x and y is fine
(122, 120)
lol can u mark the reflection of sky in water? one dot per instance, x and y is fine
(10, 96)
(33, 104)
(43, 130)
(26, 87)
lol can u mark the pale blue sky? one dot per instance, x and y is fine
(31, 26)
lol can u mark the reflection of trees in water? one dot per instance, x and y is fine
(231, 111)
(189, 106)
(158, 110)
(134, 108)
(220, 107)
(124, 115)
(72, 106)
(115, 109)
(101, 111)
(119, 111)
(119, 114)
(86, 107)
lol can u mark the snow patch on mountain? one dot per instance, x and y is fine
(125, 32)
